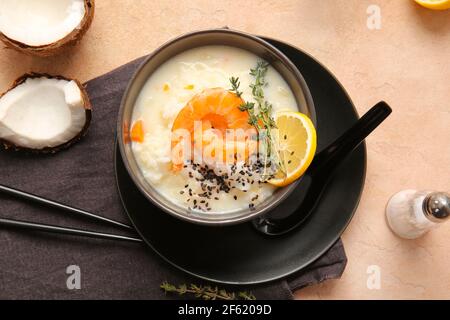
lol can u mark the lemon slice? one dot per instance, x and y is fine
(296, 143)
(434, 4)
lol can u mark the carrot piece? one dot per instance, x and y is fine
(137, 132)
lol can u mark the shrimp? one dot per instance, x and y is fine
(217, 111)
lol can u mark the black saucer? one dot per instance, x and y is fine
(238, 254)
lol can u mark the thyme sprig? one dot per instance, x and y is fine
(252, 116)
(235, 83)
(206, 292)
(260, 114)
(259, 73)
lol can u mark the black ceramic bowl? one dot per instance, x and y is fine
(185, 42)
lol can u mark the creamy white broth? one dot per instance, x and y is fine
(168, 90)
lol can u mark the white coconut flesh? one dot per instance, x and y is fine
(42, 113)
(40, 22)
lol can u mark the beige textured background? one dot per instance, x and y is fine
(405, 63)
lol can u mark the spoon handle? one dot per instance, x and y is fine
(314, 181)
(336, 152)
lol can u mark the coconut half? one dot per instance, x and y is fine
(44, 27)
(43, 113)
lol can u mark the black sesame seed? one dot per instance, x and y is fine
(285, 137)
(235, 197)
(181, 192)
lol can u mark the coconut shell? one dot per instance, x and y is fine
(56, 47)
(7, 145)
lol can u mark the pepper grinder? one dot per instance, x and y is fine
(412, 213)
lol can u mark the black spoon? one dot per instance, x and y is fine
(317, 176)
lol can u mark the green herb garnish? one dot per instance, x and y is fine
(206, 292)
(235, 83)
(260, 114)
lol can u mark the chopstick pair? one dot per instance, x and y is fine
(62, 230)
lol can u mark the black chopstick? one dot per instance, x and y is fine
(53, 204)
(63, 230)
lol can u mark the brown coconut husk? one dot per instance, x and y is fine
(53, 48)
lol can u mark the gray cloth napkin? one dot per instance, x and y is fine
(33, 265)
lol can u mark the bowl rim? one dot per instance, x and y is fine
(192, 218)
